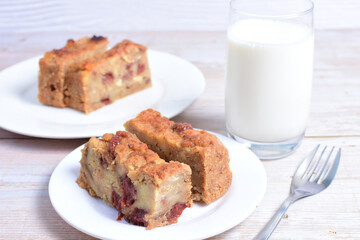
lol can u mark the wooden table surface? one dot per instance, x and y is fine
(26, 163)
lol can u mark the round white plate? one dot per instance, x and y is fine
(92, 216)
(176, 84)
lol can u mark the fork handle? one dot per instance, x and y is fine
(268, 229)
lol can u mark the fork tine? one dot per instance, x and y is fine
(300, 189)
(330, 175)
(324, 166)
(315, 169)
(310, 162)
(310, 171)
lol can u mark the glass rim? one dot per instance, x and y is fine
(290, 15)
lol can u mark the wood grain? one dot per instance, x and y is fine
(197, 33)
(22, 16)
(26, 166)
(335, 109)
(337, 209)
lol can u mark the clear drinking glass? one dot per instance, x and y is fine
(269, 74)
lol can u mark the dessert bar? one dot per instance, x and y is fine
(202, 151)
(54, 65)
(146, 190)
(102, 79)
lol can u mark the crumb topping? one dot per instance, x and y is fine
(179, 132)
(126, 148)
(129, 51)
(73, 47)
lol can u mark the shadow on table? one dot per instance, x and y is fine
(54, 226)
(51, 224)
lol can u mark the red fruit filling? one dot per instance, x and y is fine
(108, 78)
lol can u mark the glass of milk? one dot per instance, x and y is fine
(269, 74)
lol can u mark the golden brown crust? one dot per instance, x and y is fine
(126, 50)
(54, 65)
(162, 171)
(76, 47)
(202, 151)
(144, 188)
(83, 76)
(103, 79)
(182, 133)
(130, 150)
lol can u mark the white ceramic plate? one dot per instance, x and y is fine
(176, 84)
(92, 216)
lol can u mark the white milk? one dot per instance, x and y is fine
(269, 75)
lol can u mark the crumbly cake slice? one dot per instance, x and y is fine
(202, 151)
(101, 80)
(54, 65)
(146, 190)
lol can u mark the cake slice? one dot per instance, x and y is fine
(54, 65)
(202, 151)
(103, 79)
(146, 190)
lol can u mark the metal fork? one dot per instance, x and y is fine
(311, 177)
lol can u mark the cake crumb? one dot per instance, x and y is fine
(332, 232)
(285, 216)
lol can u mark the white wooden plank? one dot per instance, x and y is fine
(140, 15)
(335, 109)
(26, 211)
(336, 209)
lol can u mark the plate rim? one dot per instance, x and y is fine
(260, 167)
(201, 81)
